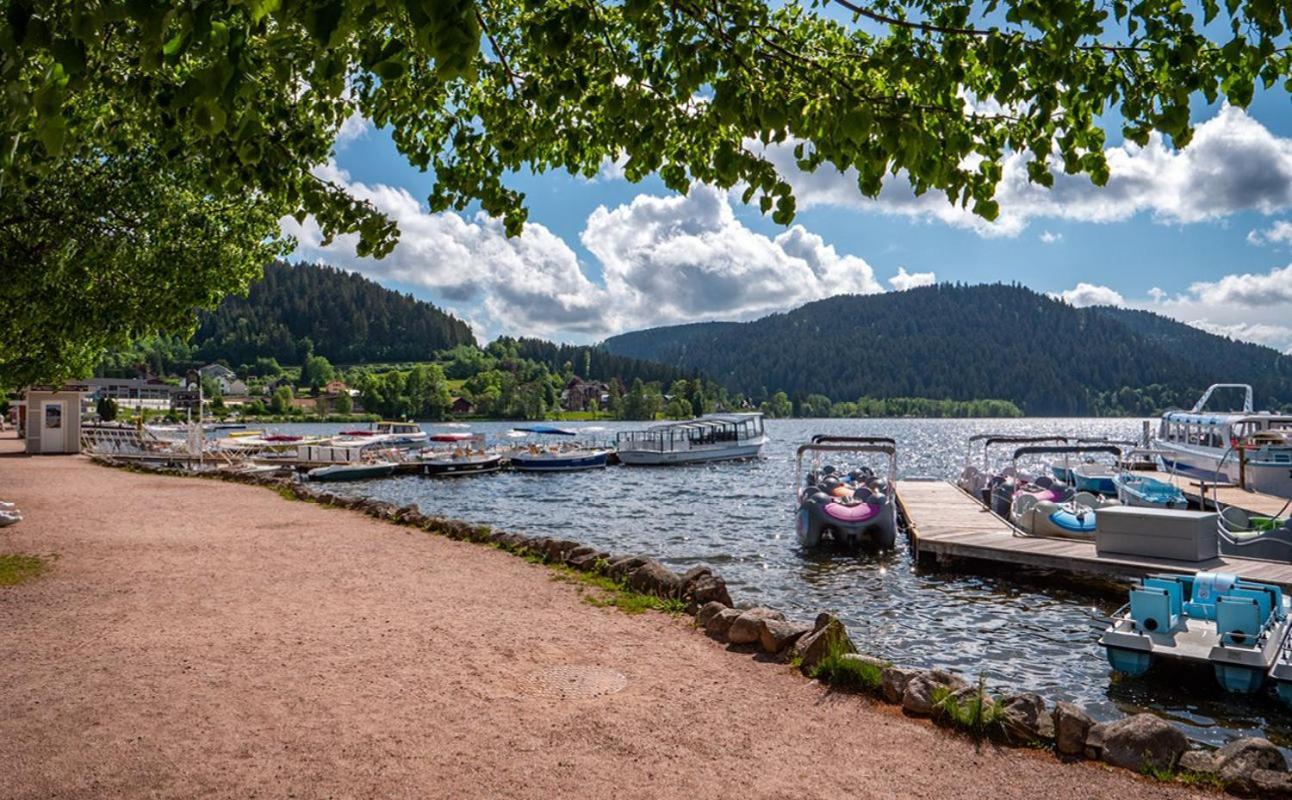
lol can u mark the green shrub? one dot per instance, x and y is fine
(838, 669)
(977, 714)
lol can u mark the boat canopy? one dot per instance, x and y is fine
(547, 430)
(1068, 449)
(453, 437)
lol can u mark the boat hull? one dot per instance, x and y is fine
(351, 473)
(452, 469)
(573, 463)
(655, 458)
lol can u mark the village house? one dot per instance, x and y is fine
(579, 394)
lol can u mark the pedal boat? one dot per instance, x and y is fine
(852, 508)
(1238, 627)
(1071, 519)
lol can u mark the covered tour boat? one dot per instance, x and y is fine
(847, 506)
(712, 437)
(1245, 448)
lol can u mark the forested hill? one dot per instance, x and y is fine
(339, 315)
(967, 342)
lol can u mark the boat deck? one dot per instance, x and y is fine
(945, 523)
(1205, 495)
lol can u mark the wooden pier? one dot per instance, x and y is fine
(945, 523)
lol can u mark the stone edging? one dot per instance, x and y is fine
(1251, 767)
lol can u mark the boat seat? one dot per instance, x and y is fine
(1273, 594)
(1238, 620)
(1173, 588)
(1262, 600)
(1150, 608)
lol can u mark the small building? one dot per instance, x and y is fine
(579, 394)
(53, 419)
(153, 394)
(461, 407)
(335, 387)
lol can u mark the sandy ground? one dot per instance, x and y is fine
(197, 638)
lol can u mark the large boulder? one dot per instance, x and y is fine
(585, 558)
(718, 624)
(918, 698)
(777, 635)
(699, 586)
(555, 550)
(1143, 741)
(745, 629)
(1071, 724)
(1242, 756)
(1268, 783)
(618, 568)
(1026, 719)
(707, 612)
(894, 680)
(655, 579)
(827, 633)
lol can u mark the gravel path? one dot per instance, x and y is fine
(197, 638)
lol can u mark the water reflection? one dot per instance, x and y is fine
(1020, 629)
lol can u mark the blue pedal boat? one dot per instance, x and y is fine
(1236, 626)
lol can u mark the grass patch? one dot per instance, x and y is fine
(606, 592)
(976, 714)
(1196, 780)
(16, 568)
(837, 669)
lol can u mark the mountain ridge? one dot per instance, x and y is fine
(965, 342)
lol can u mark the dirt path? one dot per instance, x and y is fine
(196, 638)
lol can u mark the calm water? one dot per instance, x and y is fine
(1022, 631)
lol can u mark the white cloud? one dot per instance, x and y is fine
(686, 258)
(1278, 233)
(1089, 294)
(1233, 164)
(663, 260)
(1276, 336)
(904, 280)
(1157, 294)
(1247, 290)
(1050, 238)
(355, 126)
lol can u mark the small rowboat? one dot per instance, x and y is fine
(1146, 492)
(352, 472)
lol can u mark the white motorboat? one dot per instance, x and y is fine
(453, 455)
(552, 454)
(713, 437)
(1245, 448)
(352, 472)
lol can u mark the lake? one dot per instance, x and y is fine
(1022, 631)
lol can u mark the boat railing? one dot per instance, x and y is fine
(880, 445)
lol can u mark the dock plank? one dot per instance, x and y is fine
(944, 521)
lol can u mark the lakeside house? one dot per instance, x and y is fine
(461, 407)
(224, 378)
(579, 394)
(137, 394)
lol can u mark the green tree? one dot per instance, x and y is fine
(106, 408)
(266, 367)
(778, 405)
(816, 405)
(236, 102)
(316, 371)
(343, 404)
(103, 251)
(281, 400)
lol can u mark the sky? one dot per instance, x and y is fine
(1202, 234)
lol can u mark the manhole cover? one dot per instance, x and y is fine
(574, 682)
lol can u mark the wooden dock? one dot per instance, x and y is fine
(1205, 495)
(945, 523)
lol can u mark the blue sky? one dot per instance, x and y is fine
(1203, 235)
